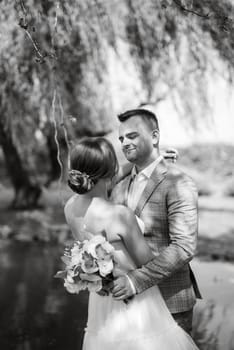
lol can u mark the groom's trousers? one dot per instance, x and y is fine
(184, 320)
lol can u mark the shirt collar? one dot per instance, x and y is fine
(147, 172)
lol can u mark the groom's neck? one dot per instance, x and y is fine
(141, 166)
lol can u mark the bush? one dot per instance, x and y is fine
(229, 188)
(202, 335)
(204, 189)
(204, 185)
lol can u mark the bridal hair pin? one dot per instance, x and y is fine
(80, 179)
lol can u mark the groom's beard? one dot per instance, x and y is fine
(130, 154)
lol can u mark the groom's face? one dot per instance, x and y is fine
(136, 140)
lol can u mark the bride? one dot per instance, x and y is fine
(145, 321)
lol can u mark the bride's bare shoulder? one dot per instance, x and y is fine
(108, 211)
(70, 205)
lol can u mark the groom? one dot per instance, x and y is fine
(166, 200)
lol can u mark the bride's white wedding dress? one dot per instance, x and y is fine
(144, 323)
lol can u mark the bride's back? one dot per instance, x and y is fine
(99, 217)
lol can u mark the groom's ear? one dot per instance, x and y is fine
(155, 137)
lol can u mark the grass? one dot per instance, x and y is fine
(211, 166)
(213, 159)
(220, 248)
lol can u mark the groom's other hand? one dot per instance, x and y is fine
(123, 288)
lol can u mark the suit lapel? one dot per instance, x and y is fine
(156, 178)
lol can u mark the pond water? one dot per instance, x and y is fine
(37, 313)
(35, 310)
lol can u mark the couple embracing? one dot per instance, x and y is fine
(151, 220)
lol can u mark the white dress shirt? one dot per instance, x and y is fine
(139, 181)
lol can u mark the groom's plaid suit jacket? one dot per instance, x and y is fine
(168, 207)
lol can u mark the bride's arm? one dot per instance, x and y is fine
(170, 155)
(75, 224)
(124, 170)
(71, 221)
(138, 249)
(130, 232)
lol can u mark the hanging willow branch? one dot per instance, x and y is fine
(185, 9)
(56, 99)
(23, 23)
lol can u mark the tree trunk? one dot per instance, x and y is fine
(27, 190)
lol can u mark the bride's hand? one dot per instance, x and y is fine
(171, 154)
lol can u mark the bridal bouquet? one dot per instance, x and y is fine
(89, 265)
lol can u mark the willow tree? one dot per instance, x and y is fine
(54, 69)
(48, 72)
(17, 104)
(173, 43)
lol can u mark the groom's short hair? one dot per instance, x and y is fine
(147, 116)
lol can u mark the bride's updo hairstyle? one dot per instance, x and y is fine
(91, 159)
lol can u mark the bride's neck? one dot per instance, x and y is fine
(99, 191)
